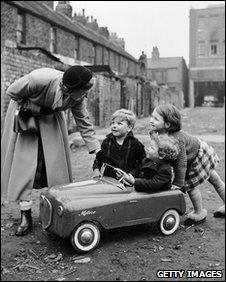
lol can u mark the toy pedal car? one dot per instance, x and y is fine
(81, 209)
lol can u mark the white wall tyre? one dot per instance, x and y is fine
(85, 237)
(169, 222)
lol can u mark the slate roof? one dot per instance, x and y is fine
(49, 15)
(164, 63)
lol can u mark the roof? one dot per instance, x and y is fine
(164, 63)
(58, 19)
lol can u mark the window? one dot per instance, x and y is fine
(201, 36)
(53, 39)
(213, 48)
(160, 76)
(201, 23)
(172, 75)
(201, 48)
(21, 28)
(213, 21)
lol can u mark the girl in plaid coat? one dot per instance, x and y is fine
(196, 162)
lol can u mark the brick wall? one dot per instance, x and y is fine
(38, 34)
(66, 43)
(86, 50)
(99, 52)
(16, 63)
(7, 24)
(108, 94)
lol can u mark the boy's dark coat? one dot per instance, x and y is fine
(151, 176)
(127, 156)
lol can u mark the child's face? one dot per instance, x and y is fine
(119, 127)
(157, 122)
(152, 151)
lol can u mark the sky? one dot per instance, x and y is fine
(145, 24)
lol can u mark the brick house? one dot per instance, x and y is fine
(207, 55)
(34, 34)
(169, 71)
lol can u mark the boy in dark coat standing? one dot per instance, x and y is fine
(120, 148)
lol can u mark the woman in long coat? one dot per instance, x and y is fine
(39, 160)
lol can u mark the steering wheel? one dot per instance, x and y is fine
(121, 175)
(121, 180)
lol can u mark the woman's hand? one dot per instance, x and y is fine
(28, 105)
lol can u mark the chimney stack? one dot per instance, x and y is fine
(104, 31)
(81, 18)
(65, 8)
(155, 53)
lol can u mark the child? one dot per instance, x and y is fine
(155, 172)
(120, 148)
(196, 162)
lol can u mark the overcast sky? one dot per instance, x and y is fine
(144, 24)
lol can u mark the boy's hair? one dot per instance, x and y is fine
(170, 115)
(168, 146)
(125, 115)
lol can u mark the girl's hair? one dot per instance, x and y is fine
(170, 115)
(168, 146)
(125, 115)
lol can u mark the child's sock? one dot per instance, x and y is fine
(199, 213)
(218, 184)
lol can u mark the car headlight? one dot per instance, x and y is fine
(60, 210)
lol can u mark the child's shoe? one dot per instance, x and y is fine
(195, 218)
(220, 212)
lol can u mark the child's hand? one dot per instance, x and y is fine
(175, 187)
(96, 173)
(119, 173)
(129, 178)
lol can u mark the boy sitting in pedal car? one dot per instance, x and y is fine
(155, 172)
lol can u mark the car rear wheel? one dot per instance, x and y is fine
(85, 237)
(169, 222)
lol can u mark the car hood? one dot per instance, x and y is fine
(88, 193)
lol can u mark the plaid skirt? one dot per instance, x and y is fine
(199, 170)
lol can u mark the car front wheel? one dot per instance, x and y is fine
(169, 222)
(85, 237)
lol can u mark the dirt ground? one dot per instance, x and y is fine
(134, 253)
